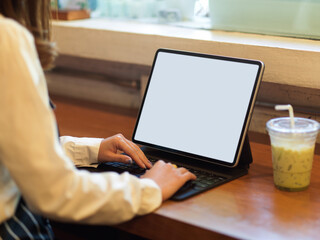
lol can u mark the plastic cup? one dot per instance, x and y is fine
(292, 151)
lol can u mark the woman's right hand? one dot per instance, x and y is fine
(168, 177)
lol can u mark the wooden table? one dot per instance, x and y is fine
(247, 208)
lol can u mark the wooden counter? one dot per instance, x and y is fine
(247, 208)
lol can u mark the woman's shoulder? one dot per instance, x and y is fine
(11, 31)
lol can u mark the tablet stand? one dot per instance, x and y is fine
(246, 155)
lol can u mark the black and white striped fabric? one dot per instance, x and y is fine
(26, 225)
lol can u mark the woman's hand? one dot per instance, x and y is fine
(109, 151)
(168, 177)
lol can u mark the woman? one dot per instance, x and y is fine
(37, 175)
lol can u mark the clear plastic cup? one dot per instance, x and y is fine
(292, 151)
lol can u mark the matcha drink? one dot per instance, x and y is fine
(292, 140)
(292, 167)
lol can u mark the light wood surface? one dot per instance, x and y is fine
(289, 61)
(247, 208)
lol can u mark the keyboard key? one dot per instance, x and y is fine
(203, 185)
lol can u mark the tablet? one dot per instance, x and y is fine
(198, 105)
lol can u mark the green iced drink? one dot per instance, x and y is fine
(292, 151)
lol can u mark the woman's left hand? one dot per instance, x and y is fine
(109, 151)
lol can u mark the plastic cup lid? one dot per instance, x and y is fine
(302, 125)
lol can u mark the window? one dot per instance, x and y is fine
(298, 18)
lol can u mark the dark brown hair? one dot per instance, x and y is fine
(35, 16)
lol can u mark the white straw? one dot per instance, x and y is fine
(290, 109)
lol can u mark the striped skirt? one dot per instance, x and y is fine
(25, 225)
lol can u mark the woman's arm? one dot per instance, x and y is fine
(85, 151)
(82, 151)
(30, 149)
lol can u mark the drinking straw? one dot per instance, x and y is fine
(290, 109)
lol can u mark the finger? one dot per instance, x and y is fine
(159, 163)
(170, 165)
(189, 176)
(139, 157)
(139, 152)
(127, 148)
(120, 158)
(182, 170)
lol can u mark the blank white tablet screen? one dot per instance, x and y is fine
(196, 105)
